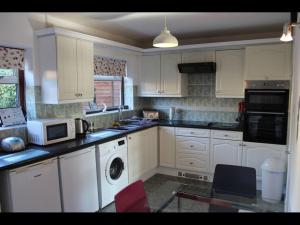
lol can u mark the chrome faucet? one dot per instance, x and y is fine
(120, 109)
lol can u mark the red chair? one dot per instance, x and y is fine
(133, 198)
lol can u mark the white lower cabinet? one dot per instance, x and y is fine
(254, 154)
(142, 153)
(192, 153)
(31, 188)
(167, 146)
(78, 176)
(225, 152)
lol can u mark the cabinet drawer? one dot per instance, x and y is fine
(194, 144)
(192, 132)
(225, 134)
(192, 162)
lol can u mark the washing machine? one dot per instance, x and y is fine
(112, 169)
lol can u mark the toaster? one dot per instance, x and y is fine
(153, 115)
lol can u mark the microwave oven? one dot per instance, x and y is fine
(50, 131)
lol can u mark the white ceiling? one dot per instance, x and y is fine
(139, 29)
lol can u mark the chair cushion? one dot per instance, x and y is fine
(235, 180)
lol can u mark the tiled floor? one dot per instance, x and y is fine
(160, 187)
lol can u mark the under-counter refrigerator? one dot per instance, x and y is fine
(32, 188)
(78, 179)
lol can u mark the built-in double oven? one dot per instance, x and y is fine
(266, 111)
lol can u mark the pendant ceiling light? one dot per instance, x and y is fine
(287, 34)
(165, 39)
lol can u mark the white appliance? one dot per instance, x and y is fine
(78, 179)
(32, 188)
(50, 131)
(112, 169)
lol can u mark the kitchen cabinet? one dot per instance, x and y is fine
(268, 62)
(167, 146)
(254, 154)
(78, 178)
(150, 75)
(31, 188)
(192, 149)
(230, 73)
(160, 76)
(225, 152)
(66, 69)
(142, 153)
(198, 56)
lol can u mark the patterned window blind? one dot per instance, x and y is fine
(109, 67)
(11, 58)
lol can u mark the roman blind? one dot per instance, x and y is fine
(109, 66)
(11, 58)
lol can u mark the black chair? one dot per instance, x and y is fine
(232, 180)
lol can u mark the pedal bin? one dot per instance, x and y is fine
(273, 170)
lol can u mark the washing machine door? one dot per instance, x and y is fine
(114, 168)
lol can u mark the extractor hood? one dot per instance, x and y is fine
(201, 67)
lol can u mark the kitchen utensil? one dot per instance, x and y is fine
(151, 114)
(12, 144)
(172, 113)
(81, 126)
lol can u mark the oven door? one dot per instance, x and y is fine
(272, 100)
(265, 127)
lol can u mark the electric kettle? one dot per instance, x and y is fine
(81, 126)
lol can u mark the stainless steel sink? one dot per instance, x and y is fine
(103, 133)
(125, 127)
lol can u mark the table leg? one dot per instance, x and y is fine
(178, 204)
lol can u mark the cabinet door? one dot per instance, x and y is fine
(167, 146)
(268, 62)
(67, 68)
(170, 76)
(199, 56)
(225, 152)
(230, 73)
(151, 154)
(254, 154)
(35, 188)
(150, 76)
(135, 156)
(79, 181)
(85, 68)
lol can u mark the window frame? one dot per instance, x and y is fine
(20, 89)
(122, 98)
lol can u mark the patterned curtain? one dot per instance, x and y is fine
(109, 67)
(11, 58)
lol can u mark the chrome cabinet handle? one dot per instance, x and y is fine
(192, 146)
(287, 152)
(225, 135)
(191, 163)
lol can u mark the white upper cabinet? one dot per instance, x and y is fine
(268, 62)
(230, 73)
(171, 79)
(66, 69)
(160, 76)
(198, 56)
(150, 75)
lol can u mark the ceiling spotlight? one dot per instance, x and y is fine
(165, 39)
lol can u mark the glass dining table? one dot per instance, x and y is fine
(191, 198)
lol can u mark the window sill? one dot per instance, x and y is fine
(106, 113)
(13, 127)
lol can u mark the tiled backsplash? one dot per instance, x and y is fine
(201, 103)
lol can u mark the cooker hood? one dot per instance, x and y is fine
(201, 67)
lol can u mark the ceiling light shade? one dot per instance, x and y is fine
(287, 33)
(165, 39)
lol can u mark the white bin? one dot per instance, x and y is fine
(272, 179)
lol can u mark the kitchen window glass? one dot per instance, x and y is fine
(9, 88)
(109, 94)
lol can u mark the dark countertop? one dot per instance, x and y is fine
(36, 153)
